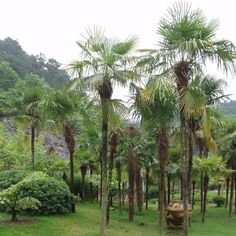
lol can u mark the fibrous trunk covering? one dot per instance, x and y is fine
(32, 147)
(139, 186)
(233, 167)
(147, 185)
(83, 170)
(162, 146)
(182, 72)
(119, 172)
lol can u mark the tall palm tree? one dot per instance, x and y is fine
(187, 40)
(104, 63)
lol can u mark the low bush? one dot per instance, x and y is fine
(10, 177)
(54, 194)
(153, 192)
(213, 186)
(218, 200)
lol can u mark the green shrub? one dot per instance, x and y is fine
(12, 199)
(10, 177)
(213, 186)
(218, 200)
(53, 194)
(153, 192)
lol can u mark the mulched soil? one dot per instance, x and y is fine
(18, 222)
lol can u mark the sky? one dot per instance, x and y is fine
(53, 26)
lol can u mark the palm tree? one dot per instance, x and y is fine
(211, 166)
(132, 134)
(60, 106)
(157, 107)
(187, 40)
(104, 64)
(228, 150)
(26, 99)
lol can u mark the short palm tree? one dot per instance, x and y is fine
(60, 106)
(26, 99)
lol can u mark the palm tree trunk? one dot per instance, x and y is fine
(162, 146)
(123, 193)
(104, 170)
(227, 192)
(185, 161)
(131, 179)
(193, 193)
(201, 192)
(205, 188)
(190, 164)
(182, 72)
(83, 170)
(33, 147)
(70, 143)
(231, 195)
(139, 188)
(234, 193)
(181, 187)
(147, 186)
(173, 189)
(72, 185)
(113, 145)
(168, 187)
(91, 184)
(100, 160)
(119, 173)
(219, 189)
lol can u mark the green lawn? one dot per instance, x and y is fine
(86, 223)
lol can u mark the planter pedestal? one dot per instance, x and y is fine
(174, 214)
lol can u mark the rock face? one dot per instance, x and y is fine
(57, 143)
(9, 126)
(52, 141)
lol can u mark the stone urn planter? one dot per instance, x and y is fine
(174, 214)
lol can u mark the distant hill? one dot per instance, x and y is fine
(23, 63)
(229, 108)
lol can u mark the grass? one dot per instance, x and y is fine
(86, 223)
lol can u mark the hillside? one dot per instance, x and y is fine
(229, 108)
(23, 63)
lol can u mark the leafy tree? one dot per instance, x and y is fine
(24, 64)
(13, 199)
(8, 77)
